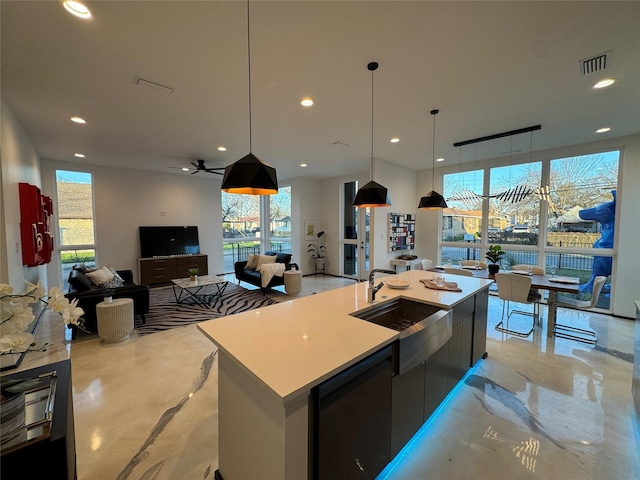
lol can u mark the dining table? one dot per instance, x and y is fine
(551, 283)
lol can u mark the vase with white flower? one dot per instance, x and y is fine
(16, 314)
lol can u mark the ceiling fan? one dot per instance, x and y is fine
(201, 167)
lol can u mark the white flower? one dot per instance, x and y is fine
(18, 342)
(5, 290)
(36, 292)
(72, 313)
(16, 314)
(57, 301)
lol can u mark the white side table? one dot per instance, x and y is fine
(293, 282)
(395, 262)
(115, 319)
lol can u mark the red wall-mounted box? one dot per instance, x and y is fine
(36, 211)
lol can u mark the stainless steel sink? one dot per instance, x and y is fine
(423, 328)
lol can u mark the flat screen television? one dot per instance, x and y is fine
(167, 241)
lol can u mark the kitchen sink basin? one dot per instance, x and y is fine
(423, 328)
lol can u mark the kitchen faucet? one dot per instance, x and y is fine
(371, 293)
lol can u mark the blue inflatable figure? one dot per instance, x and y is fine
(605, 215)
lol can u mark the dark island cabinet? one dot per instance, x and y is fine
(436, 386)
(351, 412)
(407, 402)
(479, 347)
(351, 424)
(417, 394)
(460, 344)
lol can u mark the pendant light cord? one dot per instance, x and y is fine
(433, 153)
(249, 61)
(373, 165)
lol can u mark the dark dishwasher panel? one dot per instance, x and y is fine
(352, 421)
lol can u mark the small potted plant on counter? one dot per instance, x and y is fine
(494, 255)
(193, 274)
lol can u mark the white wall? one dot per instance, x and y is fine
(626, 277)
(19, 163)
(306, 204)
(400, 183)
(126, 199)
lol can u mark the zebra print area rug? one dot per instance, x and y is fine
(165, 313)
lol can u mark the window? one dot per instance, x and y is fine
(76, 232)
(514, 217)
(462, 221)
(243, 231)
(569, 226)
(280, 221)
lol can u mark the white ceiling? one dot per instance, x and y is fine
(489, 67)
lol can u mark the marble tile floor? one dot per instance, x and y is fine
(536, 408)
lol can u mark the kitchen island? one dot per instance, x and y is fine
(273, 359)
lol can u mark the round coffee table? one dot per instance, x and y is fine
(293, 282)
(115, 319)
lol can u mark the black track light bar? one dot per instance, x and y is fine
(499, 135)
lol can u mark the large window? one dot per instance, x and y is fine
(244, 230)
(556, 212)
(76, 232)
(514, 213)
(462, 221)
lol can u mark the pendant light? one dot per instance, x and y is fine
(250, 175)
(433, 199)
(372, 194)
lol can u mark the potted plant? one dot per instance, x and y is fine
(494, 255)
(193, 274)
(318, 251)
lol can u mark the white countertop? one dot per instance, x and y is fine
(295, 345)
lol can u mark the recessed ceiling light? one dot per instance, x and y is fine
(76, 8)
(222, 148)
(78, 120)
(306, 102)
(603, 130)
(185, 169)
(395, 140)
(79, 155)
(605, 83)
(439, 159)
(303, 165)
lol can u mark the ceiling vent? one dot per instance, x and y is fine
(595, 63)
(153, 85)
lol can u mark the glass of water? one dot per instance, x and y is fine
(552, 270)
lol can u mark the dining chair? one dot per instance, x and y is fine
(472, 263)
(574, 333)
(516, 288)
(458, 271)
(535, 270)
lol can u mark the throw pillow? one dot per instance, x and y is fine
(115, 274)
(115, 282)
(101, 275)
(252, 262)
(262, 259)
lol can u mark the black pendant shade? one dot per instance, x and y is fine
(250, 176)
(372, 195)
(432, 200)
